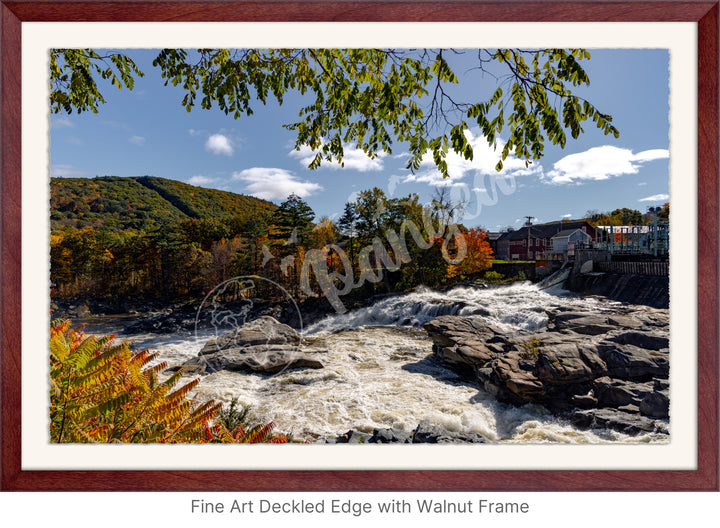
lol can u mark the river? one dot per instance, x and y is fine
(380, 371)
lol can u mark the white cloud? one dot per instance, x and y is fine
(485, 158)
(274, 184)
(61, 122)
(199, 179)
(567, 215)
(219, 144)
(600, 163)
(137, 140)
(656, 198)
(66, 171)
(353, 158)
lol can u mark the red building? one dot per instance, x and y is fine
(534, 242)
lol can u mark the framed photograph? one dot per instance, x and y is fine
(326, 239)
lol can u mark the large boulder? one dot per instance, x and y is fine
(264, 330)
(466, 342)
(630, 362)
(263, 346)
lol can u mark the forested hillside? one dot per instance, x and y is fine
(126, 240)
(141, 202)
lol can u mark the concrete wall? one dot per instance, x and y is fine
(633, 289)
(510, 270)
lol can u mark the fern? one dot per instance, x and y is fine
(104, 392)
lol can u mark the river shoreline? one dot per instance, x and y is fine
(384, 374)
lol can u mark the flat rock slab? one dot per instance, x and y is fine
(617, 420)
(263, 346)
(264, 330)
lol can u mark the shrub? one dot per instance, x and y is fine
(493, 276)
(530, 349)
(104, 392)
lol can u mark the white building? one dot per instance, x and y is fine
(565, 241)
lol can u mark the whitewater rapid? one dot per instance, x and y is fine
(380, 371)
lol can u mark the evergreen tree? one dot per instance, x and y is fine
(294, 220)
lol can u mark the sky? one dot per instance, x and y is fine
(146, 131)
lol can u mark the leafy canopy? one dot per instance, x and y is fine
(372, 98)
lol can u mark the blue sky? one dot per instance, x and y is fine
(147, 132)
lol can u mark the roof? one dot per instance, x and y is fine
(547, 230)
(566, 233)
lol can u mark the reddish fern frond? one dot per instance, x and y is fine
(258, 434)
(101, 391)
(108, 356)
(183, 391)
(143, 357)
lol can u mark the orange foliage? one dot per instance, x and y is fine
(478, 256)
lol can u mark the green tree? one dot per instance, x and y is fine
(294, 219)
(626, 216)
(369, 97)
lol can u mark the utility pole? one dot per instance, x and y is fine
(528, 224)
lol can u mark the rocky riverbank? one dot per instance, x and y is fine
(185, 318)
(597, 370)
(424, 433)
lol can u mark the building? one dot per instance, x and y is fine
(565, 242)
(534, 242)
(492, 239)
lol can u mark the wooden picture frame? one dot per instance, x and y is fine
(704, 478)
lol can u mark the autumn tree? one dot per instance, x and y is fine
(372, 98)
(478, 255)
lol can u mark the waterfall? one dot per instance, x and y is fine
(519, 305)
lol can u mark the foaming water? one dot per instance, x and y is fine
(520, 305)
(380, 372)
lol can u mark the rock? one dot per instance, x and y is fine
(353, 437)
(565, 364)
(427, 433)
(633, 363)
(646, 340)
(624, 422)
(616, 393)
(584, 401)
(263, 346)
(82, 311)
(264, 330)
(656, 404)
(390, 436)
(424, 433)
(466, 341)
(595, 362)
(261, 359)
(161, 323)
(586, 324)
(516, 374)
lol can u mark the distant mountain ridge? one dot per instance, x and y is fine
(136, 202)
